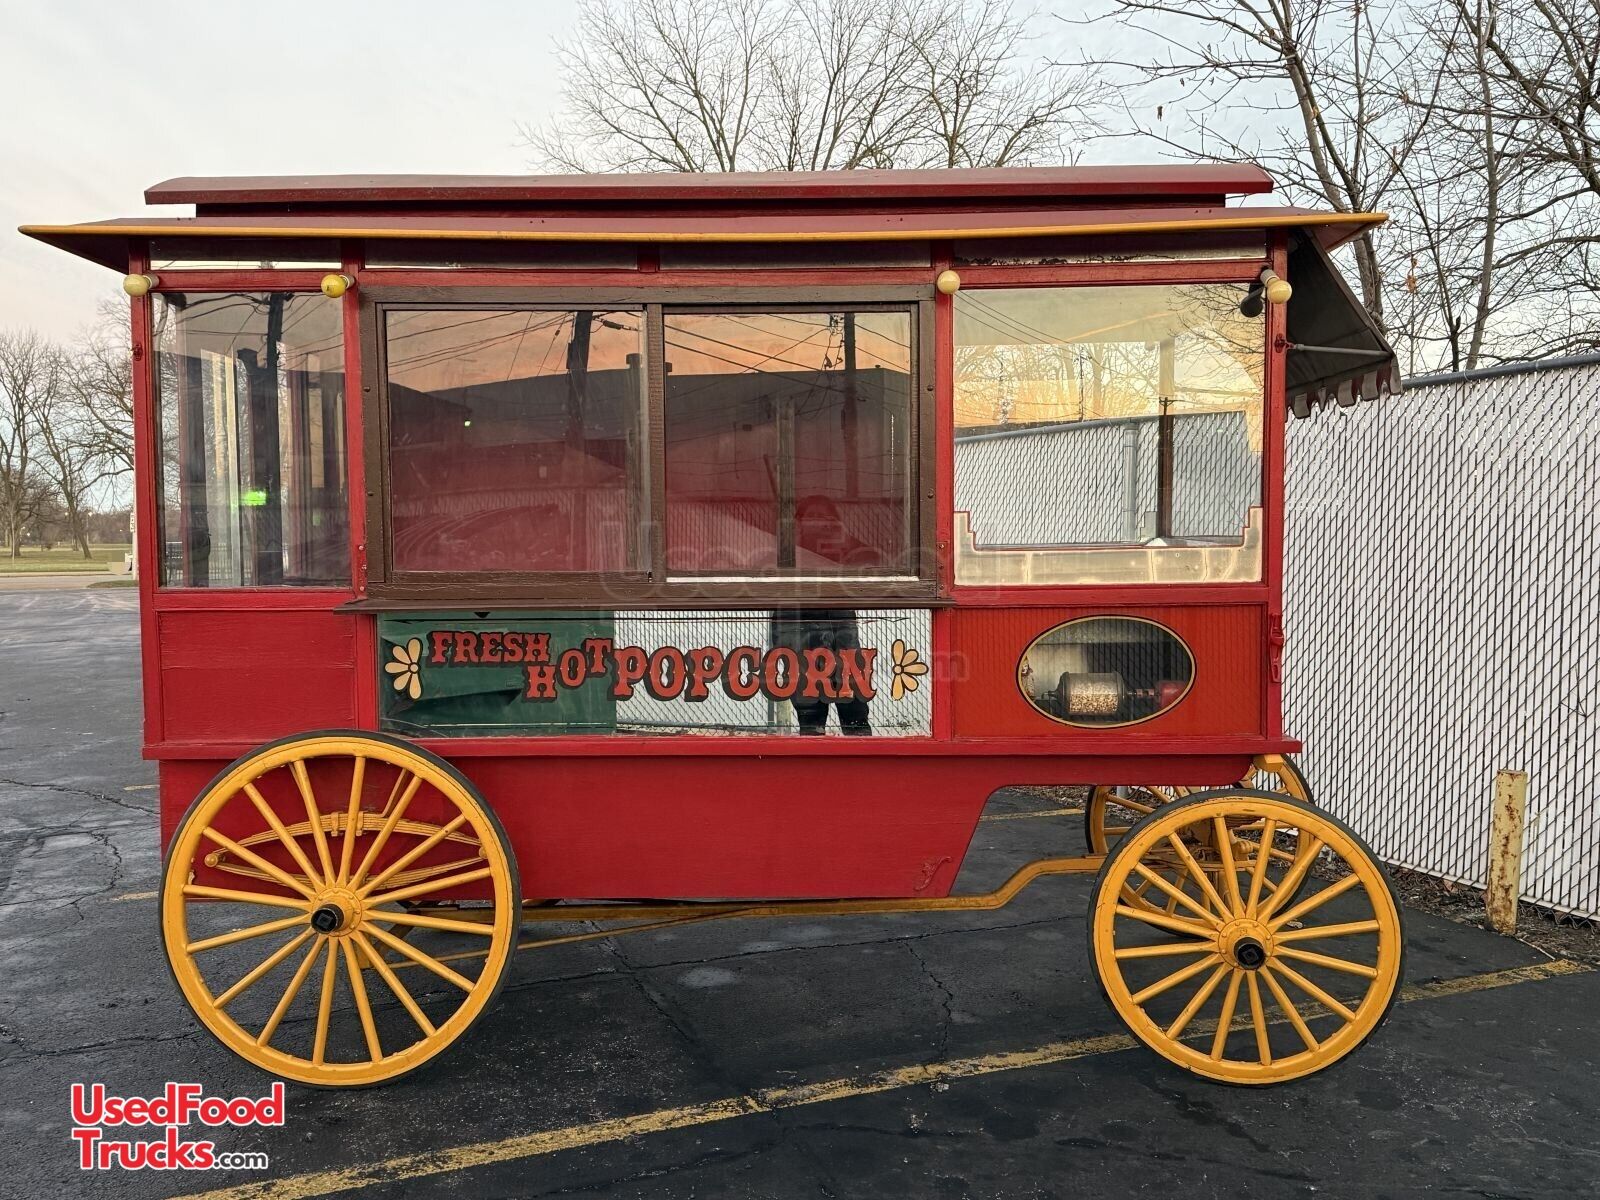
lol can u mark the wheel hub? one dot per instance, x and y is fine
(1246, 943)
(1250, 953)
(337, 914)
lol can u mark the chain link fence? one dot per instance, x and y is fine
(1443, 609)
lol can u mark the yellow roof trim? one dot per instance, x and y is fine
(1263, 220)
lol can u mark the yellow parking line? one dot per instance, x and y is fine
(135, 896)
(768, 1100)
(1028, 816)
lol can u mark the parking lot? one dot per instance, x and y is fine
(957, 1055)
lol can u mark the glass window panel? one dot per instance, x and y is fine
(202, 254)
(1058, 251)
(253, 485)
(750, 255)
(1105, 418)
(789, 444)
(515, 440)
(1100, 671)
(456, 254)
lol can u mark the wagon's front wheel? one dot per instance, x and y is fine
(301, 907)
(1267, 969)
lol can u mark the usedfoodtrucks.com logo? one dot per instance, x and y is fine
(109, 1129)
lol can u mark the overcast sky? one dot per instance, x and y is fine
(102, 99)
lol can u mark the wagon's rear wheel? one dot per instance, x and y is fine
(1112, 811)
(289, 883)
(1250, 980)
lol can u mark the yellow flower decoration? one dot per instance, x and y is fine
(407, 668)
(907, 668)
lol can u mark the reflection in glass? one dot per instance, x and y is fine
(251, 393)
(1107, 417)
(789, 443)
(514, 440)
(1099, 671)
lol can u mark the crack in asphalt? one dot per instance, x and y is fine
(104, 797)
(657, 1000)
(946, 1003)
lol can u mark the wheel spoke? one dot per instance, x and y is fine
(1321, 997)
(284, 836)
(1198, 1001)
(375, 957)
(259, 863)
(1258, 1018)
(432, 885)
(1329, 962)
(411, 856)
(1316, 932)
(330, 972)
(421, 959)
(1230, 999)
(1162, 921)
(1263, 860)
(1162, 950)
(363, 1005)
(1304, 857)
(352, 817)
(1230, 872)
(1177, 895)
(1314, 901)
(483, 928)
(397, 809)
(1290, 1011)
(302, 780)
(1168, 982)
(1192, 865)
(289, 993)
(196, 891)
(255, 976)
(245, 934)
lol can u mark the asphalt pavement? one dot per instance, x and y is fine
(944, 1056)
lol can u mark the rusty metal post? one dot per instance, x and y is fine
(1505, 849)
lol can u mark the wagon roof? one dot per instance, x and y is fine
(758, 187)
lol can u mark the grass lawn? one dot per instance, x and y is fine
(62, 559)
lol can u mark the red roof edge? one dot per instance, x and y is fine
(967, 184)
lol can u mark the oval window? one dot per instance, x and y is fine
(1102, 671)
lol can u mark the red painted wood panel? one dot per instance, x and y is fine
(725, 828)
(257, 675)
(1225, 640)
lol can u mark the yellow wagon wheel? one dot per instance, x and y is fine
(1247, 983)
(289, 907)
(1111, 812)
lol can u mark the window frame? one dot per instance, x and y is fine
(207, 284)
(1204, 272)
(396, 590)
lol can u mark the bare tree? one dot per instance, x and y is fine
(75, 454)
(29, 368)
(99, 374)
(728, 85)
(1473, 129)
(1300, 87)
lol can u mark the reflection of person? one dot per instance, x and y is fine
(806, 629)
(820, 531)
